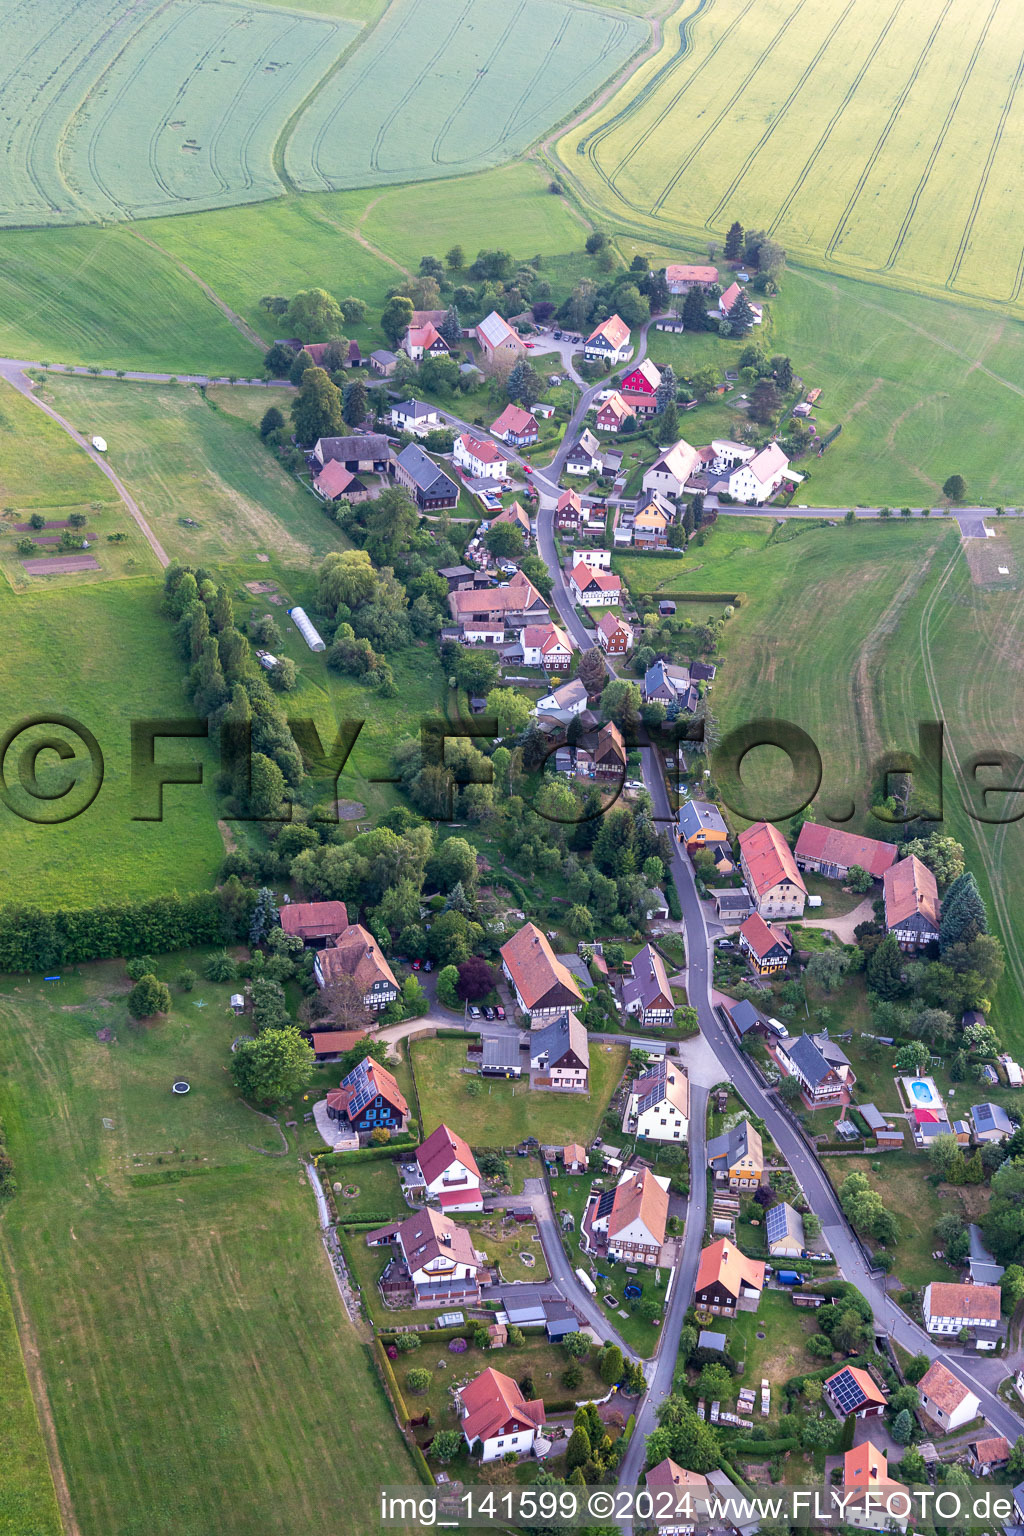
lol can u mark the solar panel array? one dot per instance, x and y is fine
(604, 1205)
(775, 1223)
(846, 1391)
(359, 1079)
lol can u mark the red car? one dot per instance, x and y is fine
(416, 965)
(528, 469)
(500, 1011)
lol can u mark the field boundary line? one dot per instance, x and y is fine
(279, 152)
(993, 150)
(713, 127)
(40, 1396)
(951, 112)
(854, 87)
(214, 298)
(356, 234)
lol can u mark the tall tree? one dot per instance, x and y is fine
(695, 309)
(451, 326)
(591, 670)
(734, 242)
(963, 913)
(354, 404)
(741, 316)
(274, 1067)
(885, 970)
(955, 488)
(396, 318)
(524, 384)
(665, 393)
(301, 362)
(669, 423)
(316, 409)
(314, 315)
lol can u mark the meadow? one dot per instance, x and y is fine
(27, 1499)
(856, 634)
(872, 137)
(422, 99)
(200, 1369)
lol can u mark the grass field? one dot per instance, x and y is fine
(504, 1112)
(27, 1500)
(425, 99)
(899, 1179)
(875, 137)
(176, 1322)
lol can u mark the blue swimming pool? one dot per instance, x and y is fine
(922, 1090)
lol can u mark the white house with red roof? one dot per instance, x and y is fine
(609, 342)
(614, 635)
(438, 1254)
(758, 480)
(545, 645)
(611, 413)
(424, 341)
(479, 457)
(494, 1411)
(644, 379)
(775, 884)
(568, 511)
(516, 426)
(449, 1171)
(681, 277)
(594, 589)
(729, 298)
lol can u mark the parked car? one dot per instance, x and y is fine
(488, 1012)
(416, 965)
(500, 1011)
(558, 335)
(428, 965)
(474, 1013)
(778, 1028)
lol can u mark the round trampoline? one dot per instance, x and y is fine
(180, 1086)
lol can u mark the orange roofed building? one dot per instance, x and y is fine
(543, 986)
(775, 884)
(494, 1411)
(912, 907)
(316, 923)
(727, 1281)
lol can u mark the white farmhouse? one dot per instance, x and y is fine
(758, 480)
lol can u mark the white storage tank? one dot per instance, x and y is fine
(300, 619)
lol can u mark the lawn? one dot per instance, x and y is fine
(176, 1321)
(502, 1113)
(378, 1191)
(504, 1242)
(779, 1354)
(102, 655)
(895, 144)
(27, 1499)
(571, 1194)
(901, 1179)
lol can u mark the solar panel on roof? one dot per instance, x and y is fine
(847, 1391)
(775, 1223)
(604, 1205)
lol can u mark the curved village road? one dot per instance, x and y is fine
(889, 1318)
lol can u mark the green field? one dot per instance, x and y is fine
(875, 137)
(502, 1113)
(200, 1369)
(27, 1501)
(426, 97)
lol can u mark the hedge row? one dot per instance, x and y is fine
(760, 1449)
(391, 1381)
(420, 1463)
(394, 1148)
(32, 940)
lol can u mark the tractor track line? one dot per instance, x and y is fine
(965, 238)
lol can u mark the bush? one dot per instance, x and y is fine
(220, 968)
(418, 1381)
(406, 1342)
(187, 979)
(140, 966)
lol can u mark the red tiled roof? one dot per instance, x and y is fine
(425, 335)
(610, 624)
(584, 575)
(722, 1263)
(614, 330)
(440, 1150)
(679, 272)
(514, 419)
(768, 858)
(995, 1448)
(381, 1081)
(760, 938)
(480, 448)
(356, 953)
(334, 478)
(909, 887)
(639, 1197)
(865, 1467)
(870, 1390)
(491, 1400)
(314, 919)
(835, 846)
(569, 498)
(329, 1042)
(949, 1299)
(428, 1235)
(942, 1388)
(534, 967)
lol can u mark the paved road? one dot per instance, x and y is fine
(889, 1318)
(860, 513)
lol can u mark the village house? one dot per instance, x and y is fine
(727, 1281)
(369, 1099)
(948, 1307)
(560, 1055)
(681, 277)
(449, 1171)
(335, 481)
(500, 1056)
(422, 341)
(432, 490)
(769, 870)
(543, 986)
(516, 426)
(545, 645)
(584, 457)
(756, 482)
(612, 413)
(609, 342)
(646, 994)
(316, 923)
(650, 527)
(457, 577)
(748, 1020)
(517, 517)
(366, 453)
(493, 1411)
(568, 511)
(597, 559)
(515, 604)
(644, 379)
(415, 416)
(594, 588)
(563, 702)
(614, 635)
(729, 298)
(990, 1122)
(767, 949)
(639, 404)
(945, 1398)
(700, 823)
(669, 685)
(853, 1391)
(831, 852)
(631, 1218)
(330, 1044)
(873, 1500)
(659, 1104)
(438, 1255)
(671, 469)
(479, 457)
(820, 1066)
(986, 1457)
(736, 1157)
(610, 753)
(912, 907)
(498, 341)
(356, 953)
(383, 363)
(784, 1232)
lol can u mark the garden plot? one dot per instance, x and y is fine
(435, 92)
